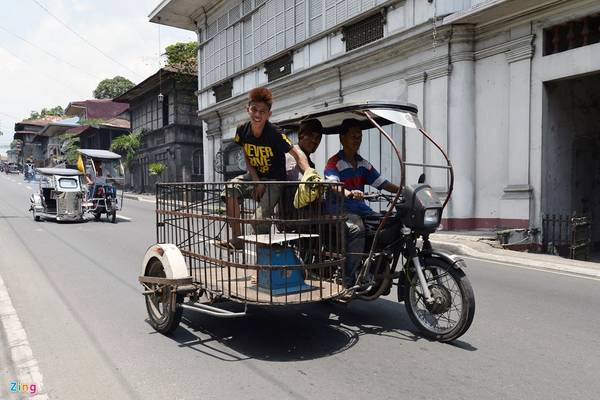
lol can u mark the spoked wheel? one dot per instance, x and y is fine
(164, 315)
(451, 314)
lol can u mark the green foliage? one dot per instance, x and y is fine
(156, 168)
(58, 110)
(111, 88)
(182, 56)
(69, 144)
(14, 144)
(127, 146)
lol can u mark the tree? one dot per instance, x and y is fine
(111, 88)
(69, 144)
(127, 146)
(58, 110)
(183, 57)
(157, 168)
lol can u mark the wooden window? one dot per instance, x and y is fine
(572, 34)
(223, 91)
(363, 32)
(279, 67)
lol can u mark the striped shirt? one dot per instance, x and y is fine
(338, 169)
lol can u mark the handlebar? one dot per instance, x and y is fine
(376, 196)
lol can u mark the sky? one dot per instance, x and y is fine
(53, 52)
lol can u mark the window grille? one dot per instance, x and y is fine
(223, 91)
(247, 6)
(279, 67)
(572, 34)
(212, 30)
(222, 22)
(366, 31)
(234, 14)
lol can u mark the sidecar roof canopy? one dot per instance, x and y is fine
(59, 171)
(102, 154)
(331, 117)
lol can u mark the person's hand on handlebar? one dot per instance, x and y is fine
(354, 194)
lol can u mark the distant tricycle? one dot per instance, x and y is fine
(60, 196)
(103, 175)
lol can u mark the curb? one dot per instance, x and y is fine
(25, 365)
(547, 263)
(146, 199)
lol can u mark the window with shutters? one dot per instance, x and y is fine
(571, 35)
(366, 31)
(223, 91)
(280, 67)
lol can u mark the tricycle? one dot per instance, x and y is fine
(60, 196)
(301, 257)
(104, 174)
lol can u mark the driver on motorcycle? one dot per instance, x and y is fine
(349, 168)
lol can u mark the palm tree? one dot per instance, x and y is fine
(127, 146)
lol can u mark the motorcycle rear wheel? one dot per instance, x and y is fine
(452, 313)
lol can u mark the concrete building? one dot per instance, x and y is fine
(510, 88)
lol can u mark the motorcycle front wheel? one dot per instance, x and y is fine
(453, 309)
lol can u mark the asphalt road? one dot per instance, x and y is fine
(74, 286)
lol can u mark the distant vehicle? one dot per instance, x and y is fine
(13, 168)
(60, 195)
(104, 174)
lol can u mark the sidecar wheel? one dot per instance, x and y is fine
(164, 316)
(452, 313)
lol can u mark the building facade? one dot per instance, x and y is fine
(164, 110)
(509, 88)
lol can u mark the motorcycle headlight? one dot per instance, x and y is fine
(431, 216)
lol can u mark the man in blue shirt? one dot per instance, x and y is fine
(349, 168)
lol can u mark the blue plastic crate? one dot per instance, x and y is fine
(280, 281)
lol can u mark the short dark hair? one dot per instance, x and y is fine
(260, 95)
(310, 125)
(348, 124)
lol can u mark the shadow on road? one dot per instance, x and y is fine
(295, 333)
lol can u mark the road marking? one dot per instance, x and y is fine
(25, 365)
(533, 268)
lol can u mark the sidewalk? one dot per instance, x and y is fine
(147, 197)
(483, 245)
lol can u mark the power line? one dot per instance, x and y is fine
(82, 38)
(53, 79)
(48, 53)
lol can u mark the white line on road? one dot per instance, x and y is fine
(533, 268)
(25, 365)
